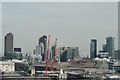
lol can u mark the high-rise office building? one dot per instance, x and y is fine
(110, 46)
(93, 48)
(43, 42)
(104, 48)
(8, 44)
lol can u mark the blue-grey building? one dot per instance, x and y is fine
(104, 48)
(93, 49)
(110, 46)
(117, 54)
(69, 54)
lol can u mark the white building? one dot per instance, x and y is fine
(7, 66)
(13, 65)
(103, 55)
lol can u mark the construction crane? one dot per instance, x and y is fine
(54, 54)
(47, 51)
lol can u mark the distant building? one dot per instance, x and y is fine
(43, 40)
(56, 55)
(117, 54)
(14, 55)
(104, 48)
(8, 44)
(72, 53)
(93, 48)
(103, 55)
(42, 51)
(110, 46)
(69, 54)
(50, 55)
(7, 66)
(111, 63)
(37, 50)
(17, 49)
(63, 56)
(101, 64)
(37, 54)
(43, 44)
(9, 53)
(116, 66)
(28, 56)
(15, 65)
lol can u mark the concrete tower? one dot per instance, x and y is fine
(8, 44)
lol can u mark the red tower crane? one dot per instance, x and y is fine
(46, 56)
(53, 56)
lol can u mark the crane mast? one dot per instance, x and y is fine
(47, 51)
(54, 53)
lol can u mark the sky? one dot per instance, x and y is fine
(72, 23)
(0, 28)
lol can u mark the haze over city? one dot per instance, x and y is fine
(73, 24)
(59, 40)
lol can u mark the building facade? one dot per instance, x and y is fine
(117, 54)
(43, 45)
(17, 49)
(13, 65)
(103, 55)
(110, 46)
(93, 48)
(7, 66)
(104, 48)
(8, 44)
(69, 54)
(43, 40)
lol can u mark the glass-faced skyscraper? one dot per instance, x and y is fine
(93, 48)
(43, 42)
(8, 44)
(110, 46)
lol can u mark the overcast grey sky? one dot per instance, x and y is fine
(1, 27)
(73, 24)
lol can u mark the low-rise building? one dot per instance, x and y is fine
(103, 55)
(14, 55)
(116, 66)
(7, 66)
(117, 54)
(13, 65)
(69, 54)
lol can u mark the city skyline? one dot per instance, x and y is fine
(73, 24)
(93, 45)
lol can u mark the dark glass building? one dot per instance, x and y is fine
(43, 40)
(93, 48)
(17, 49)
